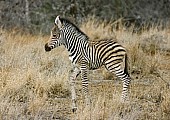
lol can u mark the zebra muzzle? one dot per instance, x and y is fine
(47, 48)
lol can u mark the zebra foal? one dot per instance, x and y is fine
(85, 54)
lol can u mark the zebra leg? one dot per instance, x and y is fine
(73, 75)
(126, 81)
(84, 78)
(120, 73)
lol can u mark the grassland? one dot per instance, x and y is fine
(34, 84)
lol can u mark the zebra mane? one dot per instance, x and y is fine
(64, 20)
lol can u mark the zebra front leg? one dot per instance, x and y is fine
(84, 78)
(73, 75)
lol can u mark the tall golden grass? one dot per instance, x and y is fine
(34, 84)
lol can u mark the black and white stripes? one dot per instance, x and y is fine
(86, 54)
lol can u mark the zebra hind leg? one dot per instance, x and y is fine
(73, 75)
(121, 74)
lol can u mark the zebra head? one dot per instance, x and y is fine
(55, 38)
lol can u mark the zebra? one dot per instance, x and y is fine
(87, 55)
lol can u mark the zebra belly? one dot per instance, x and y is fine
(93, 66)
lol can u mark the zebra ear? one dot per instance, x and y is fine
(58, 22)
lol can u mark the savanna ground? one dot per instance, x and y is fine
(34, 84)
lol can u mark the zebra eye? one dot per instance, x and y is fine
(54, 35)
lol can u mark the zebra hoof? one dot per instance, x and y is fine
(125, 100)
(47, 49)
(74, 110)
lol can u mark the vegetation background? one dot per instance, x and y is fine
(33, 15)
(34, 84)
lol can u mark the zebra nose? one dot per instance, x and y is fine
(47, 48)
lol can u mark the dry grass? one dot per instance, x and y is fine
(33, 84)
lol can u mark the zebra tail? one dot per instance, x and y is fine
(126, 65)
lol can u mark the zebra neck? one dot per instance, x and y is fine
(77, 41)
(77, 46)
(77, 50)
